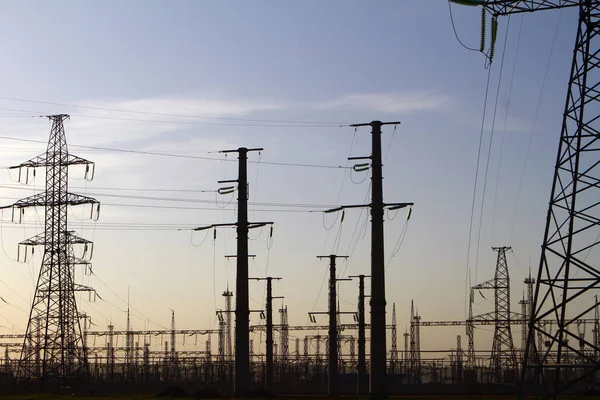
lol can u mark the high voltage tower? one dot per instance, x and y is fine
(53, 349)
(269, 328)
(332, 369)
(503, 350)
(378, 376)
(566, 274)
(361, 376)
(242, 309)
(228, 327)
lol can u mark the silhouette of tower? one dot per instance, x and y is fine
(228, 325)
(394, 352)
(503, 350)
(284, 338)
(53, 330)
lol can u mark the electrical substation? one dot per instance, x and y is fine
(549, 347)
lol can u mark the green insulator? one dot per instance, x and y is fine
(494, 33)
(482, 44)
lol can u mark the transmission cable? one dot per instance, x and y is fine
(468, 270)
(174, 155)
(510, 88)
(535, 119)
(489, 152)
(171, 114)
(125, 302)
(454, 29)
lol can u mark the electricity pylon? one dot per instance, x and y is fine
(242, 310)
(378, 374)
(503, 350)
(566, 275)
(53, 349)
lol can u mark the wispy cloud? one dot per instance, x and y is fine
(163, 115)
(389, 102)
(107, 121)
(188, 106)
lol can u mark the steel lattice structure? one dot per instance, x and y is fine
(284, 334)
(228, 325)
(503, 356)
(415, 344)
(394, 352)
(573, 224)
(503, 350)
(566, 273)
(53, 348)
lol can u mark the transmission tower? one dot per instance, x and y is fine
(269, 330)
(228, 326)
(503, 351)
(129, 347)
(284, 334)
(53, 348)
(523, 304)
(221, 338)
(394, 352)
(572, 229)
(415, 344)
(242, 310)
(173, 355)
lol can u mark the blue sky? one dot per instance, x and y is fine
(335, 61)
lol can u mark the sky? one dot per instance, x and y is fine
(190, 78)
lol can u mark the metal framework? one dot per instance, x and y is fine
(566, 273)
(284, 337)
(394, 352)
(503, 350)
(53, 348)
(572, 226)
(415, 343)
(228, 325)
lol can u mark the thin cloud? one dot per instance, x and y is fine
(209, 108)
(389, 102)
(102, 122)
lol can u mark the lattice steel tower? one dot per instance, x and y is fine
(503, 350)
(53, 347)
(228, 325)
(284, 334)
(566, 272)
(394, 351)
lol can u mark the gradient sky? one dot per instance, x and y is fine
(335, 62)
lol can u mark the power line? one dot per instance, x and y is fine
(190, 208)
(185, 200)
(20, 186)
(196, 116)
(37, 114)
(454, 29)
(160, 154)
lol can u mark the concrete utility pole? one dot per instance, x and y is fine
(332, 366)
(242, 309)
(378, 337)
(269, 341)
(378, 334)
(362, 385)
